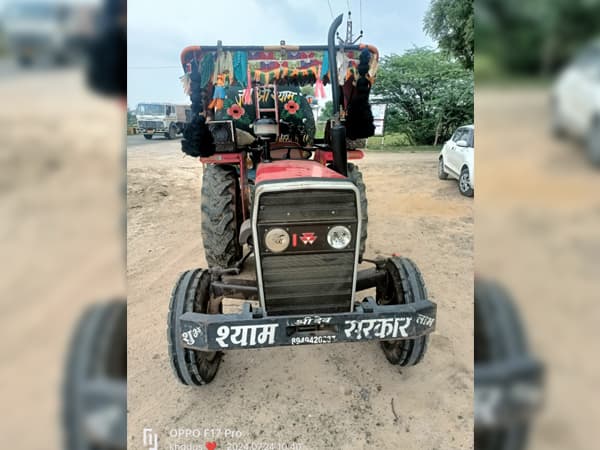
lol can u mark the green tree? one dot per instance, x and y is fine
(451, 24)
(131, 119)
(428, 95)
(327, 111)
(532, 37)
(308, 90)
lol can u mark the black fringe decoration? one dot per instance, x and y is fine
(359, 117)
(197, 138)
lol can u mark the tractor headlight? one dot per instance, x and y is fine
(339, 237)
(277, 240)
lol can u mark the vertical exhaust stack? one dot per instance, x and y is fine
(338, 131)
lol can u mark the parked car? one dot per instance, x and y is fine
(457, 160)
(576, 101)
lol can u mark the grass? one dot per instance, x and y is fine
(391, 142)
(405, 149)
(397, 143)
(489, 74)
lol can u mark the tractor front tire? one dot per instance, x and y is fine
(95, 383)
(404, 285)
(148, 136)
(356, 177)
(221, 215)
(499, 339)
(190, 294)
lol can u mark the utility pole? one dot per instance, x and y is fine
(349, 40)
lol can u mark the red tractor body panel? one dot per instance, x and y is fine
(291, 169)
(326, 156)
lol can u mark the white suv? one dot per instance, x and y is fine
(576, 101)
(457, 160)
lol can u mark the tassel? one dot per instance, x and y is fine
(247, 97)
(186, 82)
(319, 89)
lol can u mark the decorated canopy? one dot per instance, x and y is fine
(229, 82)
(283, 64)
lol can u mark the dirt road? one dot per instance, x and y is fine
(323, 397)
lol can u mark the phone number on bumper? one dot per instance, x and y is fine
(313, 340)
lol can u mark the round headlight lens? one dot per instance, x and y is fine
(277, 240)
(339, 237)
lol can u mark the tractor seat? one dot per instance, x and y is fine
(288, 152)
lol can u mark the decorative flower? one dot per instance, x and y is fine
(236, 111)
(291, 107)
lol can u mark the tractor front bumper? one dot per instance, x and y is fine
(250, 329)
(507, 392)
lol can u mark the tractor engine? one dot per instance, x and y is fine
(307, 235)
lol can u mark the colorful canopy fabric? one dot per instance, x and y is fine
(266, 65)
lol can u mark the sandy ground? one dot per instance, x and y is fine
(323, 397)
(537, 216)
(61, 238)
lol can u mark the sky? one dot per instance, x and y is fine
(157, 31)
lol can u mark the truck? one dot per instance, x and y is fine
(42, 32)
(167, 119)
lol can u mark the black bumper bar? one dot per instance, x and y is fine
(368, 321)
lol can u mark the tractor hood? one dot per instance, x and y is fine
(293, 170)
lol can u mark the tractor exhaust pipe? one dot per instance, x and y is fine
(338, 131)
(333, 75)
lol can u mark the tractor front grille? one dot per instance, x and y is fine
(307, 278)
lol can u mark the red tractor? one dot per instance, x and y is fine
(284, 215)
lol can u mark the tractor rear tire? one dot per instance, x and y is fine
(404, 285)
(190, 294)
(356, 177)
(221, 215)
